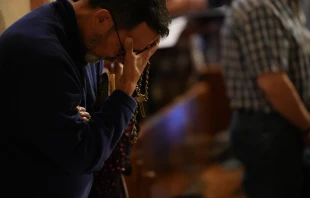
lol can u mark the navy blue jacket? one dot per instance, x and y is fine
(47, 150)
(91, 75)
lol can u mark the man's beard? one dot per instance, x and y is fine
(91, 58)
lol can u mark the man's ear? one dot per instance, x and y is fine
(103, 21)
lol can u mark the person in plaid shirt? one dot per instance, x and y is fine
(306, 7)
(266, 68)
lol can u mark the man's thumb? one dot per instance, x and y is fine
(128, 44)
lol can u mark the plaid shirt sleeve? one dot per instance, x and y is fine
(263, 41)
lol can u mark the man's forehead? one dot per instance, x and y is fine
(143, 36)
(151, 44)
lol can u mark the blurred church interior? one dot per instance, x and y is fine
(182, 150)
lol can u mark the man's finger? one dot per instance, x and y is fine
(85, 114)
(153, 49)
(79, 108)
(150, 51)
(85, 119)
(118, 68)
(128, 45)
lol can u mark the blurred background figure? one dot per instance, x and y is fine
(265, 60)
(306, 8)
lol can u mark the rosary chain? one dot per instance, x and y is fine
(134, 132)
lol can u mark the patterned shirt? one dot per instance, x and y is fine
(306, 7)
(261, 36)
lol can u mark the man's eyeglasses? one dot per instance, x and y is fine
(123, 52)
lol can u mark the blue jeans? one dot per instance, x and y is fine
(271, 151)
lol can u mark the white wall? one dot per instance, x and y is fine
(12, 10)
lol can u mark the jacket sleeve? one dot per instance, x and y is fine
(52, 88)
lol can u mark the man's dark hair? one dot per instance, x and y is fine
(127, 14)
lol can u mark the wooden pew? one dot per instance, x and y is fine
(175, 146)
(168, 140)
